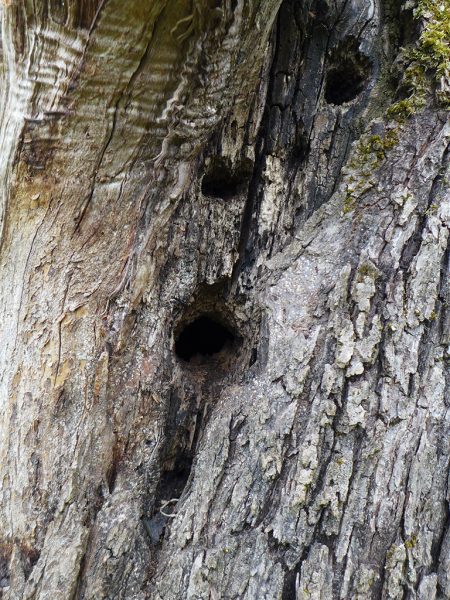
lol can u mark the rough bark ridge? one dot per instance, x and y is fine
(168, 159)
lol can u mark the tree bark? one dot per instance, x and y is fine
(248, 163)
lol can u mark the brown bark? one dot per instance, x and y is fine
(164, 161)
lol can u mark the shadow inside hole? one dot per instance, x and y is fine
(290, 586)
(204, 336)
(409, 27)
(221, 181)
(348, 74)
(172, 483)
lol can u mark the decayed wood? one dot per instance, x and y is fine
(164, 159)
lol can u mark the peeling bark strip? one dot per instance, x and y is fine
(224, 300)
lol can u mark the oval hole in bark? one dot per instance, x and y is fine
(348, 74)
(204, 337)
(221, 181)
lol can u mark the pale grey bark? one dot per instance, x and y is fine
(308, 459)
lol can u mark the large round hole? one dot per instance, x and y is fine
(347, 75)
(204, 336)
(344, 84)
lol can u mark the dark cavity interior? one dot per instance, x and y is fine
(173, 481)
(348, 74)
(205, 336)
(221, 181)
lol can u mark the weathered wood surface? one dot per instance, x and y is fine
(308, 460)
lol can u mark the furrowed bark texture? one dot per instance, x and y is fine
(164, 159)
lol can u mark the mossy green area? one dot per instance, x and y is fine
(374, 147)
(411, 542)
(369, 153)
(427, 69)
(428, 62)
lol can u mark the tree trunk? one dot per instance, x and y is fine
(224, 300)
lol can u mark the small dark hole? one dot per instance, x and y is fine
(409, 29)
(111, 477)
(204, 336)
(174, 480)
(348, 74)
(221, 181)
(290, 586)
(218, 185)
(344, 84)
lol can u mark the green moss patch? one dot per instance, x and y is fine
(428, 61)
